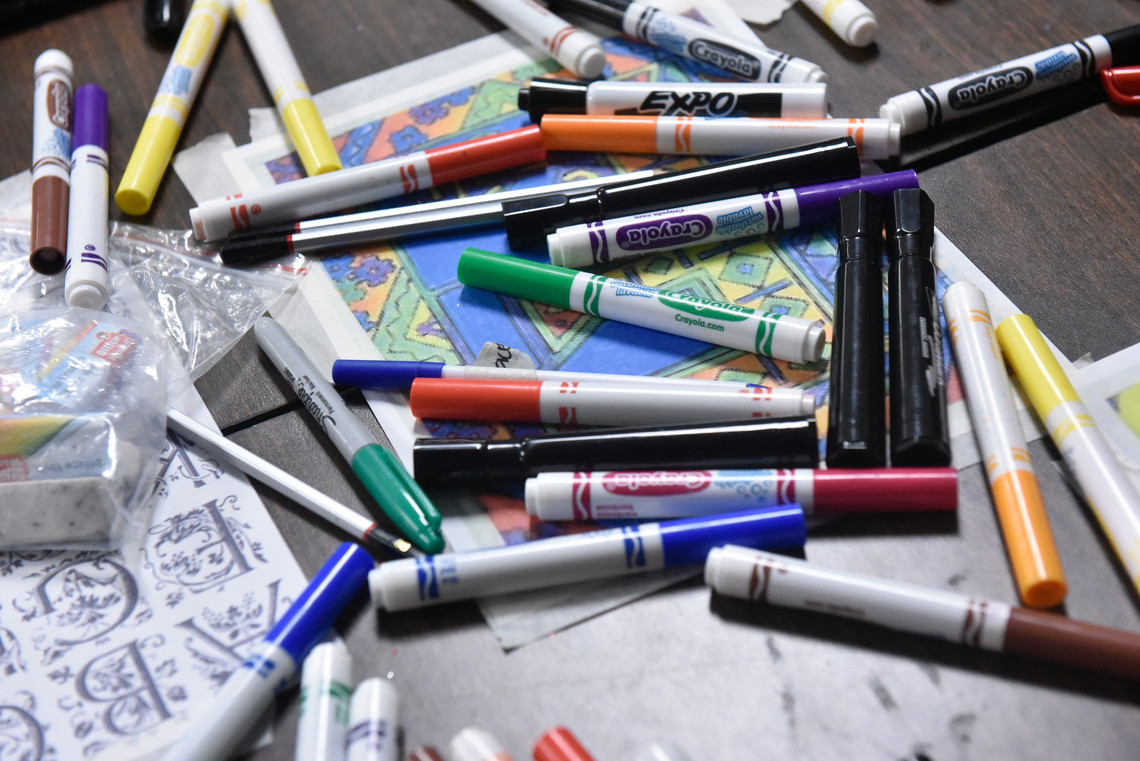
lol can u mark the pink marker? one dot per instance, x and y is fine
(600, 403)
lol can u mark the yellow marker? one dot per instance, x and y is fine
(167, 116)
(283, 77)
(1107, 490)
(1016, 493)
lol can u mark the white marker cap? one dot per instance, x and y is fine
(475, 744)
(855, 23)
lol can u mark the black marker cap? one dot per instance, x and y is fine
(552, 96)
(607, 11)
(860, 227)
(1125, 46)
(784, 443)
(910, 224)
(529, 221)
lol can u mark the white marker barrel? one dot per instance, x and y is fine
(574, 48)
(51, 160)
(876, 139)
(325, 696)
(374, 722)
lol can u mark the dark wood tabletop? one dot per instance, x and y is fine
(1049, 213)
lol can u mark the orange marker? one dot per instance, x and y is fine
(559, 744)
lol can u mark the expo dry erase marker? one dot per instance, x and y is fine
(322, 721)
(395, 492)
(618, 238)
(475, 744)
(779, 443)
(780, 336)
(1107, 488)
(86, 281)
(856, 414)
(699, 136)
(576, 49)
(171, 106)
(543, 95)
(1013, 484)
(761, 576)
(692, 39)
(642, 494)
(598, 402)
(559, 744)
(374, 723)
(850, 19)
(51, 160)
(399, 175)
(361, 528)
(919, 431)
(316, 235)
(273, 662)
(930, 106)
(529, 221)
(404, 584)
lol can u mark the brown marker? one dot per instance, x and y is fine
(51, 161)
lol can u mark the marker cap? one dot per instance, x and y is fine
(819, 204)
(521, 278)
(560, 744)
(1038, 370)
(607, 11)
(910, 224)
(883, 489)
(1122, 85)
(485, 155)
(475, 744)
(91, 126)
(1125, 45)
(388, 374)
(687, 541)
(147, 164)
(552, 96)
(312, 142)
(860, 227)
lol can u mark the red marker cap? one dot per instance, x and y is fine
(464, 399)
(483, 155)
(885, 489)
(1122, 85)
(559, 744)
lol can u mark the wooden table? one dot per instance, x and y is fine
(1049, 215)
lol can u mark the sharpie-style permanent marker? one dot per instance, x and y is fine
(322, 722)
(402, 585)
(793, 339)
(374, 722)
(641, 494)
(781, 101)
(51, 160)
(682, 36)
(930, 106)
(400, 175)
(987, 624)
(620, 238)
(529, 221)
(576, 49)
(599, 403)
(273, 663)
(701, 136)
(780, 443)
(86, 283)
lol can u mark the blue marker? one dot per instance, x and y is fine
(270, 668)
(414, 583)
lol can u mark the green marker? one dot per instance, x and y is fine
(775, 335)
(383, 476)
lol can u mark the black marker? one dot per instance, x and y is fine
(856, 418)
(919, 429)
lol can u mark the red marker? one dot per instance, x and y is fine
(559, 744)
(600, 403)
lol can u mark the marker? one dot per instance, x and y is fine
(362, 529)
(1017, 497)
(167, 116)
(599, 403)
(560, 744)
(86, 284)
(375, 722)
(397, 374)
(529, 222)
(662, 751)
(850, 19)
(780, 443)
(779, 336)
(1122, 85)
(322, 724)
(655, 494)
(933, 105)
(576, 49)
(163, 19)
(273, 663)
(692, 39)
(713, 99)
(988, 624)
(696, 136)
(621, 238)
(402, 585)
(1107, 489)
(856, 414)
(475, 744)
(399, 175)
(347, 230)
(283, 78)
(51, 160)
(919, 429)
(425, 753)
(383, 476)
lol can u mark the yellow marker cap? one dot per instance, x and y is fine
(1038, 370)
(148, 163)
(310, 138)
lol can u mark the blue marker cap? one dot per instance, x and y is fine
(687, 541)
(90, 126)
(383, 373)
(313, 613)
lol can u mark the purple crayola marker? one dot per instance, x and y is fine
(86, 283)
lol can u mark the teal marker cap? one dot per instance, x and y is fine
(517, 277)
(399, 496)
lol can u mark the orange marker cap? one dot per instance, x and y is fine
(1029, 539)
(1122, 85)
(613, 134)
(463, 399)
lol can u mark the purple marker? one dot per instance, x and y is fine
(86, 284)
(620, 238)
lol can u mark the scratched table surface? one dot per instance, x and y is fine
(1050, 214)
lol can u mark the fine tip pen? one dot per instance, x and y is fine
(383, 476)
